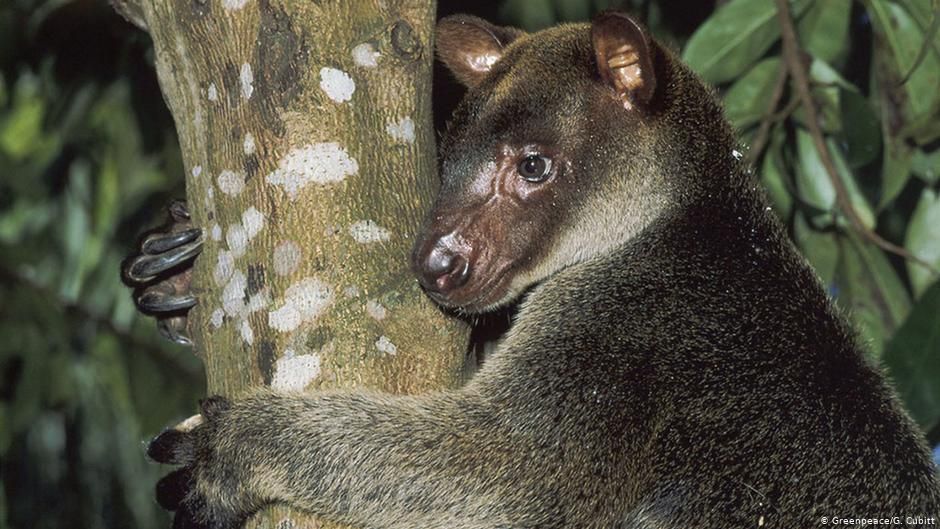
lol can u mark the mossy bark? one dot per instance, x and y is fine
(306, 132)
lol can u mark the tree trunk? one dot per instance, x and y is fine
(306, 132)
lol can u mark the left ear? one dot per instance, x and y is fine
(624, 58)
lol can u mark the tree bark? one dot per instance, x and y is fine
(306, 131)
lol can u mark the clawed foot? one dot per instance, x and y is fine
(207, 492)
(162, 273)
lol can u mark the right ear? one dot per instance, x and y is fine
(470, 46)
(624, 58)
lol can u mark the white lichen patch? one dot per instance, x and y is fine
(237, 238)
(234, 5)
(304, 301)
(375, 309)
(351, 291)
(210, 193)
(247, 79)
(233, 295)
(337, 84)
(252, 221)
(402, 130)
(217, 318)
(231, 183)
(224, 267)
(258, 301)
(286, 258)
(216, 232)
(367, 231)
(293, 372)
(319, 163)
(212, 92)
(386, 346)
(365, 55)
(197, 170)
(249, 144)
(248, 335)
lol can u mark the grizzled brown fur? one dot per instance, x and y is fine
(674, 361)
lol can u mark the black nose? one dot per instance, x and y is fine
(443, 270)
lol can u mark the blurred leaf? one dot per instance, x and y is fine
(76, 230)
(106, 200)
(913, 359)
(823, 30)
(746, 100)
(530, 15)
(24, 219)
(871, 291)
(573, 10)
(3, 94)
(860, 128)
(898, 41)
(735, 36)
(20, 132)
(926, 165)
(820, 248)
(923, 240)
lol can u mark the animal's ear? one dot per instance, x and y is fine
(624, 58)
(469, 46)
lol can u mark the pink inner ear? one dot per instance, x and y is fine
(482, 62)
(624, 58)
(624, 64)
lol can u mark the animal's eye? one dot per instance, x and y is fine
(535, 168)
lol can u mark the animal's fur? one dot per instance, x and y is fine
(674, 362)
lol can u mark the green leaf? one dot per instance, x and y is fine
(815, 186)
(868, 287)
(895, 170)
(923, 240)
(860, 128)
(898, 40)
(856, 198)
(913, 359)
(812, 180)
(735, 36)
(823, 30)
(926, 165)
(773, 176)
(746, 100)
(819, 247)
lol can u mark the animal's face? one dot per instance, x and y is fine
(534, 173)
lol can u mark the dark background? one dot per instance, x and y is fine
(89, 159)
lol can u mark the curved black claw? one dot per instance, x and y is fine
(155, 244)
(172, 329)
(161, 273)
(172, 251)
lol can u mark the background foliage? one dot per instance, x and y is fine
(88, 159)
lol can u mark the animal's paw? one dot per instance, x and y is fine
(162, 272)
(209, 491)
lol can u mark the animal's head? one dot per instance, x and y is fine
(556, 154)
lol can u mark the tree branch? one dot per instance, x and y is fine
(792, 58)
